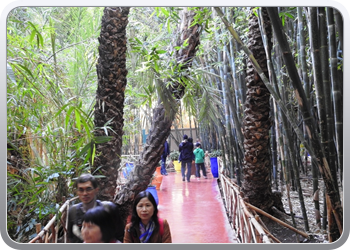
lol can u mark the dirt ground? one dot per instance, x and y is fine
(316, 233)
(286, 235)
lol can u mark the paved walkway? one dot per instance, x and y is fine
(194, 210)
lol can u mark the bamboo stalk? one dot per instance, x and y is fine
(38, 228)
(46, 237)
(305, 235)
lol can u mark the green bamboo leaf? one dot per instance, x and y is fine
(102, 139)
(185, 44)
(32, 35)
(138, 41)
(70, 110)
(32, 25)
(164, 11)
(161, 26)
(168, 26)
(87, 157)
(84, 150)
(156, 66)
(93, 155)
(154, 12)
(86, 126)
(77, 119)
(289, 15)
(24, 68)
(60, 110)
(160, 51)
(40, 40)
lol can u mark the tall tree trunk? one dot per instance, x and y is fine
(111, 73)
(162, 121)
(257, 161)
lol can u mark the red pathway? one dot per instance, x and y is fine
(194, 210)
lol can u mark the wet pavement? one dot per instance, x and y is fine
(194, 210)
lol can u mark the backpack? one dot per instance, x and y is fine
(161, 227)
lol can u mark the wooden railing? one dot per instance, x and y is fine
(243, 217)
(242, 221)
(247, 228)
(49, 234)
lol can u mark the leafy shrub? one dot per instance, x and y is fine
(215, 153)
(174, 155)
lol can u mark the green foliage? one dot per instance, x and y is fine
(174, 155)
(49, 118)
(215, 153)
(286, 14)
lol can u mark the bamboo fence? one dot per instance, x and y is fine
(243, 216)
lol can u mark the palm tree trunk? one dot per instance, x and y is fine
(162, 121)
(257, 165)
(111, 72)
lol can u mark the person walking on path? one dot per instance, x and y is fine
(165, 154)
(186, 157)
(199, 160)
(145, 225)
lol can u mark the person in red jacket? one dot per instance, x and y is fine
(145, 226)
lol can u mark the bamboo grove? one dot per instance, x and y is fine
(282, 65)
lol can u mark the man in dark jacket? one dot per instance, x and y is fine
(87, 190)
(165, 154)
(186, 156)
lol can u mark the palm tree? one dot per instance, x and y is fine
(162, 118)
(111, 72)
(257, 159)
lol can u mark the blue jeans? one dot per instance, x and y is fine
(183, 169)
(200, 166)
(162, 169)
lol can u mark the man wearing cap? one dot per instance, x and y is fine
(186, 157)
(199, 160)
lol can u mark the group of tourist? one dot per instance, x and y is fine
(94, 221)
(189, 154)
